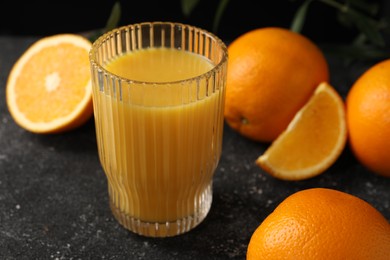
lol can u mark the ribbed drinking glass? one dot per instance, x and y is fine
(158, 96)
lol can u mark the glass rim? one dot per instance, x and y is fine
(97, 43)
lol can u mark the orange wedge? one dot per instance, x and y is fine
(313, 140)
(49, 87)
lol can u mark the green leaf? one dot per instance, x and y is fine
(299, 17)
(187, 6)
(370, 8)
(218, 14)
(112, 23)
(344, 20)
(114, 18)
(367, 26)
(360, 39)
(356, 52)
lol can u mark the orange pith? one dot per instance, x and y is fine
(49, 87)
(313, 140)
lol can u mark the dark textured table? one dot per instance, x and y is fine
(54, 202)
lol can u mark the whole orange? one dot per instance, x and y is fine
(271, 74)
(368, 118)
(321, 223)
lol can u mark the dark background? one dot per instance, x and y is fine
(42, 18)
(60, 210)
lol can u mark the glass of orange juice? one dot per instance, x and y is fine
(158, 96)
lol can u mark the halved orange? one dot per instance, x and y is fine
(313, 140)
(49, 87)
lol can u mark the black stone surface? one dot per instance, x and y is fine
(54, 204)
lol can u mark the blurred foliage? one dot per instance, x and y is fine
(361, 15)
(112, 22)
(188, 6)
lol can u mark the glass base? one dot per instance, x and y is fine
(169, 228)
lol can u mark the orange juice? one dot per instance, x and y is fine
(159, 143)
